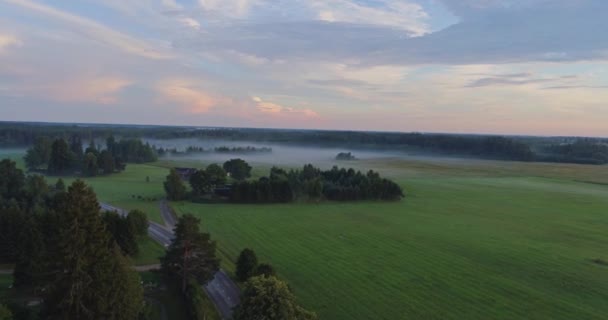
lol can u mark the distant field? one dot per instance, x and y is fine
(473, 240)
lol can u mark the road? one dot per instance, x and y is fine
(222, 290)
(167, 214)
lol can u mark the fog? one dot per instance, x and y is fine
(281, 155)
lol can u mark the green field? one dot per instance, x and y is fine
(472, 240)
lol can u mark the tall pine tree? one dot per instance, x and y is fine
(92, 279)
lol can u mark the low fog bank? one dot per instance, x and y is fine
(281, 155)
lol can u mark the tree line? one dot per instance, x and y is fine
(281, 186)
(65, 250)
(582, 151)
(223, 149)
(61, 156)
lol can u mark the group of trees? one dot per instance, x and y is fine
(311, 183)
(345, 156)
(583, 151)
(126, 230)
(62, 156)
(264, 295)
(223, 149)
(63, 250)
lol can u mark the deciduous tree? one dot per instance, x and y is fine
(174, 187)
(246, 264)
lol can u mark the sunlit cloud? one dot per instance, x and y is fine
(7, 41)
(279, 110)
(96, 90)
(191, 98)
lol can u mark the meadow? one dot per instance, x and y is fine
(472, 240)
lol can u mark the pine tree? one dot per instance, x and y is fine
(192, 254)
(92, 281)
(31, 255)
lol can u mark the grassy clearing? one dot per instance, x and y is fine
(149, 252)
(477, 241)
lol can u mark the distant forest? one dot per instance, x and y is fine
(550, 149)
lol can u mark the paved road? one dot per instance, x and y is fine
(167, 214)
(224, 293)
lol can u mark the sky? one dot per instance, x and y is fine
(527, 67)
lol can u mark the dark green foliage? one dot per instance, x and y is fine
(122, 231)
(92, 279)
(265, 269)
(246, 264)
(5, 313)
(12, 180)
(270, 298)
(216, 175)
(61, 160)
(238, 169)
(89, 166)
(311, 183)
(174, 187)
(11, 220)
(195, 296)
(200, 183)
(39, 154)
(138, 222)
(31, 257)
(60, 185)
(106, 162)
(192, 254)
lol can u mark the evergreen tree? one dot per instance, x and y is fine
(92, 281)
(61, 159)
(31, 255)
(174, 187)
(11, 220)
(246, 264)
(192, 254)
(106, 162)
(39, 154)
(270, 298)
(12, 180)
(122, 232)
(90, 164)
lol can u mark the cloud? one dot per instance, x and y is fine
(81, 89)
(192, 98)
(231, 8)
(399, 14)
(7, 41)
(279, 110)
(94, 30)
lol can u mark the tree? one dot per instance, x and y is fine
(106, 162)
(31, 258)
(192, 254)
(11, 220)
(216, 174)
(200, 182)
(265, 269)
(12, 180)
(39, 154)
(174, 187)
(61, 159)
(246, 264)
(122, 232)
(76, 147)
(60, 185)
(90, 164)
(138, 222)
(238, 169)
(270, 298)
(92, 279)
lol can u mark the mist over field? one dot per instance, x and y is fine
(281, 155)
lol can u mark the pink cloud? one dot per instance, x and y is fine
(193, 99)
(100, 90)
(279, 110)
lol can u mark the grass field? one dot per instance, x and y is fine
(149, 252)
(473, 240)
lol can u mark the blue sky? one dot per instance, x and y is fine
(475, 66)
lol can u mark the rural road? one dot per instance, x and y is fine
(222, 290)
(167, 214)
